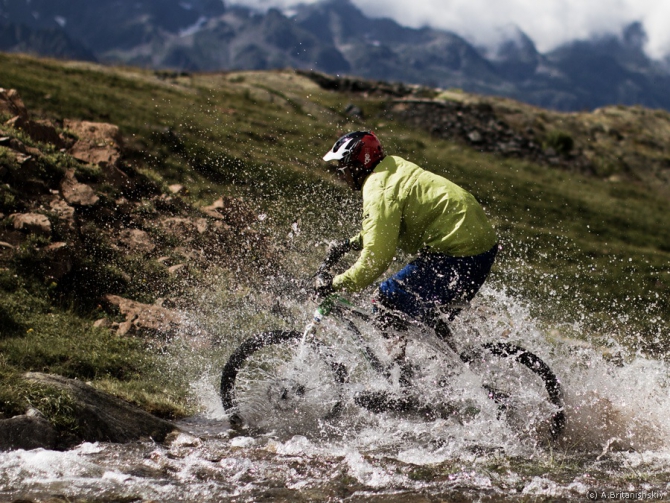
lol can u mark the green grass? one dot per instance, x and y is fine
(577, 246)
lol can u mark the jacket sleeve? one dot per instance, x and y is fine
(381, 227)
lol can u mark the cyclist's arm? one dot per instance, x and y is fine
(379, 239)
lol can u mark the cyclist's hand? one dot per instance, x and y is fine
(323, 285)
(336, 250)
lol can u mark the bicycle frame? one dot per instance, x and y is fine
(341, 307)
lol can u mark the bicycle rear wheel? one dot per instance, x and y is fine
(526, 390)
(276, 381)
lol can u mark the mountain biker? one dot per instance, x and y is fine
(423, 214)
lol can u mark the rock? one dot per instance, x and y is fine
(40, 131)
(98, 142)
(58, 257)
(114, 176)
(19, 146)
(181, 439)
(31, 222)
(177, 189)
(144, 318)
(28, 431)
(175, 269)
(136, 240)
(184, 228)
(234, 211)
(63, 211)
(75, 193)
(102, 323)
(102, 417)
(475, 137)
(12, 104)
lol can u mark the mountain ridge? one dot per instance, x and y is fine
(336, 37)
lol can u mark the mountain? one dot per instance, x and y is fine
(334, 36)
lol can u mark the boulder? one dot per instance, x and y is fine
(102, 417)
(28, 431)
(75, 193)
(144, 318)
(31, 222)
(98, 142)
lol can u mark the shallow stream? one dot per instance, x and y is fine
(616, 441)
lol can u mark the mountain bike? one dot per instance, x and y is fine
(312, 376)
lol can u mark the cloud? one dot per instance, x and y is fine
(549, 23)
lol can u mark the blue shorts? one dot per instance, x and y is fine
(435, 280)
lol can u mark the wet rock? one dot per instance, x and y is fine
(98, 142)
(136, 240)
(35, 223)
(27, 432)
(102, 417)
(75, 193)
(144, 319)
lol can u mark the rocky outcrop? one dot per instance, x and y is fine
(75, 193)
(97, 143)
(101, 417)
(27, 431)
(11, 104)
(144, 319)
(32, 223)
(97, 417)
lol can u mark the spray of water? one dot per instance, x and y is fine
(615, 428)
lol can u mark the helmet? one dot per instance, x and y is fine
(360, 147)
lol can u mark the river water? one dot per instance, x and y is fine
(616, 441)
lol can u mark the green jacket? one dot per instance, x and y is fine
(415, 210)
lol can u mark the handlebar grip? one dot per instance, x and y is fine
(335, 253)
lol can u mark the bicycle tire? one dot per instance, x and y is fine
(281, 390)
(535, 365)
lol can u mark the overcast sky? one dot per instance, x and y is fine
(548, 22)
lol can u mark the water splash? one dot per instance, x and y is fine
(616, 435)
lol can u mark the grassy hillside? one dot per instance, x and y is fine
(580, 247)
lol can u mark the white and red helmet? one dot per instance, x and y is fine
(360, 147)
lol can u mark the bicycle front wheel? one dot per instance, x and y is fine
(526, 390)
(274, 380)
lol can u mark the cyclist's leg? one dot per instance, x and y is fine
(435, 282)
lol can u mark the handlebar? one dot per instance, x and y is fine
(335, 253)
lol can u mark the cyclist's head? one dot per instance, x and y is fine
(357, 153)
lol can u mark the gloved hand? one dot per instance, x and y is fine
(323, 285)
(335, 251)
